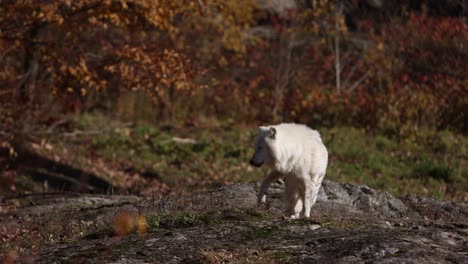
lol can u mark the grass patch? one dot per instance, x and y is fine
(435, 169)
(178, 220)
(250, 214)
(185, 219)
(216, 158)
(341, 224)
(427, 163)
(262, 232)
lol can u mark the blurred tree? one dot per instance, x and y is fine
(245, 59)
(67, 50)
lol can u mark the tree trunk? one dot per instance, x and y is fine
(282, 74)
(338, 9)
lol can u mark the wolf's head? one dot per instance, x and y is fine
(265, 139)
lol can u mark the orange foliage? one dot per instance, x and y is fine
(72, 48)
(231, 58)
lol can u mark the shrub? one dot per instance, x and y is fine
(434, 169)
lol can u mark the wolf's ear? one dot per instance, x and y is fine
(272, 132)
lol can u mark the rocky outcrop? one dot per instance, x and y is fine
(363, 198)
(350, 224)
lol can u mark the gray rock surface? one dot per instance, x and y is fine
(356, 198)
(363, 198)
(350, 224)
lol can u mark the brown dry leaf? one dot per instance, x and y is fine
(10, 258)
(142, 225)
(124, 224)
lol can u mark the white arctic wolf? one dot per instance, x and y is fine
(295, 152)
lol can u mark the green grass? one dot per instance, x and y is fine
(179, 220)
(262, 232)
(427, 163)
(217, 157)
(185, 219)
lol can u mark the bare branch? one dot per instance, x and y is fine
(350, 75)
(356, 84)
(338, 11)
(183, 140)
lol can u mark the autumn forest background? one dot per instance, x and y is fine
(156, 97)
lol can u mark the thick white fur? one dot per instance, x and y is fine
(295, 152)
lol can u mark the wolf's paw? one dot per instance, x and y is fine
(290, 217)
(261, 199)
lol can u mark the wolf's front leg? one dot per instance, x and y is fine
(272, 176)
(298, 207)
